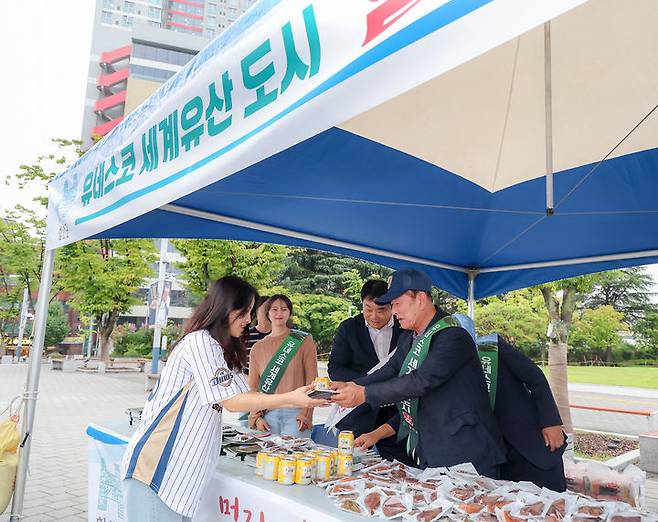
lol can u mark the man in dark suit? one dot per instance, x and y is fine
(452, 421)
(529, 421)
(360, 344)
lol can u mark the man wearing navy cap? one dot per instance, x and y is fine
(436, 381)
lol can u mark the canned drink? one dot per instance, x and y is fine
(304, 473)
(332, 460)
(345, 465)
(346, 442)
(323, 467)
(260, 460)
(271, 467)
(287, 469)
(311, 457)
(321, 383)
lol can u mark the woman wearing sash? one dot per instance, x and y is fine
(174, 451)
(283, 361)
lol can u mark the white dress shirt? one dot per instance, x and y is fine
(381, 339)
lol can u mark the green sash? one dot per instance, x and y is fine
(408, 408)
(488, 352)
(278, 365)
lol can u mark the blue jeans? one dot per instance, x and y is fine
(284, 422)
(144, 505)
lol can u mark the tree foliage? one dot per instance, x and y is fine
(57, 325)
(596, 332)
(208, 260)
(102, 277)
(629, 291)
(308, 271)
(520, 316)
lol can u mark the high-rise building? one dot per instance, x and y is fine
(138, 41)
(137, 45)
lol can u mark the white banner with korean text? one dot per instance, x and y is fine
(285, 71)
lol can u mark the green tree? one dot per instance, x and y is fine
(520, 316)
(57, 325)
(646, 329)
(320, 315)
(597, 331)
(20, 263)
(629, 291)
(309, 271)
(560, 299)
(207, 260)
(102, 277)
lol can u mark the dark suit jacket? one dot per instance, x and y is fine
(353, 356)
(525, 405)
(455, 420)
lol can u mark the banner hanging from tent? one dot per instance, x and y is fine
(287, 70)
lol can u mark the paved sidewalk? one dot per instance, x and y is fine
(68, 402)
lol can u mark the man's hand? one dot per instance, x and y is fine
(366, 441)
(302, 426)
(349, 394)
(262, 425)
(553, 437)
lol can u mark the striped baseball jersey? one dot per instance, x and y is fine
(176, 446)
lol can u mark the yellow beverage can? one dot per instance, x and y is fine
(304, 473)
(321, 383)
(260, 460)
(271, 467)
(345, 465)
(287, 469)
(323, 467)
(346, 442)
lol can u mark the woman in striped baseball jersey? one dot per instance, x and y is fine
(175, 449)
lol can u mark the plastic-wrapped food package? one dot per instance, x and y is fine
(597, 480)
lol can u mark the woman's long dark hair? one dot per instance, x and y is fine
(225, 295)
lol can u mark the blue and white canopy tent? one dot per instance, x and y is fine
(469, 138)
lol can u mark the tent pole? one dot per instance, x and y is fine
(471, 294)
(32, 384)
(157, 329)
(548, 105)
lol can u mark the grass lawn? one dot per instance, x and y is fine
(633, 376)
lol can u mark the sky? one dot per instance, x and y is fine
(47, 45)
(46, 57)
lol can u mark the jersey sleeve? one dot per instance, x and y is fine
(215, 381)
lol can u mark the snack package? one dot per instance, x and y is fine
(395, 507)
(459, 492)
(372, 500)
(351, 506)
(598, 481)
(429, 513)
(589, 510)
(558, 505)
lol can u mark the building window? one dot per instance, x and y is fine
(210, 33)
(154, 12)
(150, 73)
(106, 17)
(129, 7)
(108, 4)
(211, 21)
(212, 8)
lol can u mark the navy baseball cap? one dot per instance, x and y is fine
(403, 280)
